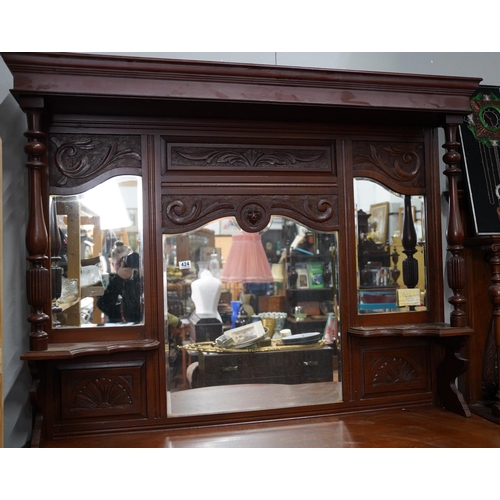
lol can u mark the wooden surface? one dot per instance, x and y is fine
(401, 428)
(177, 116)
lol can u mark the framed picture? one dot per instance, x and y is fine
(378, 220)
(302, 278)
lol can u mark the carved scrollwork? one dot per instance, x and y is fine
(252, 213)
(186, 212)
(255, 157)
(401, 163)
(322, 210)
(102, 392)
(78, 159)
(395, 370)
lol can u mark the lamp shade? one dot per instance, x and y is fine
(246, 261)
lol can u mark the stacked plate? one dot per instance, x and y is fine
(302, 338)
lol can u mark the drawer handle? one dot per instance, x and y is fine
(230, 368)
(310, 363)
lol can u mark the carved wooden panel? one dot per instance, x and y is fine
(248, 157)
(395, 164)
(101, 390)
(253, 213)
(76, 159)
(394, 370)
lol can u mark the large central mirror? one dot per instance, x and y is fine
(390, 244)
(252, 319)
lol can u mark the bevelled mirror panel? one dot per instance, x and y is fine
(391, 260)
(252, 319)
(96, 254)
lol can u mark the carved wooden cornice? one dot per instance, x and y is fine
(66, 74)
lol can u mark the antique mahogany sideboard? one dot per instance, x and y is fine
(140, 113)
(292, 367)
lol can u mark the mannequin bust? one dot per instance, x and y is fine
(205, 293)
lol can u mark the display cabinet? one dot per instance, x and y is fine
(198, 153)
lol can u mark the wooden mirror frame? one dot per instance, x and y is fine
(167, 103)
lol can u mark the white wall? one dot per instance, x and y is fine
(17, 380)
(12, 126)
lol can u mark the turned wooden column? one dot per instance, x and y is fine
(492, 255)
(455, 234)
(37, 276)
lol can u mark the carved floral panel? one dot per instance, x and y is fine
(401, 164)
(76, 159)
(248, 157)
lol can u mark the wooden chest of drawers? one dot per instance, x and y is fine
(276, 367)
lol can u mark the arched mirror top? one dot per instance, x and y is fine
(222, 286)
(252, 213)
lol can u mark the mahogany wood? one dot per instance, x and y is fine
(396, 428)
(492, 351)
(37, 276)
(455, 234)
(213, 139)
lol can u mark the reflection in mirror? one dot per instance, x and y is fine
(391, 270)
(252, 320)
(97, 259)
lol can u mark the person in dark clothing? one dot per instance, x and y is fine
(121, 301)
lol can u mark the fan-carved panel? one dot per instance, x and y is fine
(394, 370)
(248, 157)
(102, 391)
(394, 164)
(78, 159)
(185, 213)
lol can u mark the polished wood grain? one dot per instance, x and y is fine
(169, 120)
(401, 428)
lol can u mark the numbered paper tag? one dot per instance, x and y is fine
(184, 264)
(408, 297)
